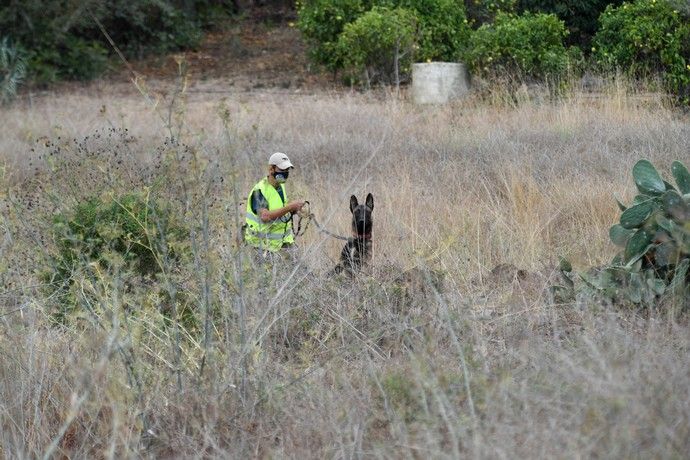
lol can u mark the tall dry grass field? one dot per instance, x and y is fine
(283, 359)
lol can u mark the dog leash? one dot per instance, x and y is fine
(311, 217)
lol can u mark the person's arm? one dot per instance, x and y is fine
(266, 216)
(260, 207)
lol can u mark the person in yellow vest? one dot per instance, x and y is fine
(269, 213)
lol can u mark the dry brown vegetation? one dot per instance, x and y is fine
(485, 194)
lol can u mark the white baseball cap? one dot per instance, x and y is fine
(281, 160)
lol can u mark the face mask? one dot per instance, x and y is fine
(281, 176)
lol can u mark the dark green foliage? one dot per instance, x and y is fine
(647, 37)
(322, 21)
(127, 226)
(635, 215)
(580, 16)
(63, 39)
(528, 46)
(132, 234)
(150, 25)
(82, 59)
(482, 11)
(442, 31)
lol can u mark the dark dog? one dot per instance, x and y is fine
(357, 251)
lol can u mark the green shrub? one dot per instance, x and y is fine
(443, 27)
(132, 234)
(12, 70)
(379, 44)
(580, 16)
(645, 38)
(64, 41)
(143, 26)
(443, 30)
(322, 21)
(530, 46)
(483, 11)
(82, 59)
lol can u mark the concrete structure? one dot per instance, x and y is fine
(439, 82)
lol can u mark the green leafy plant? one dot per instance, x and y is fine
(144, 26)
(580, 16)
(647, 37)
(654, 231)
(83, 59)
(442, 27)
(379, 44)
(482, 11)
(322, 21)
(529, 46)
(12, 70)
(654, 236)
(131, 234)
(64, 40)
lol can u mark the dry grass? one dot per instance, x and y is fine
(302, 365)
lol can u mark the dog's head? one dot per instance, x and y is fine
(361, 215)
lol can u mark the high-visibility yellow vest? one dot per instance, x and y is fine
(268, 235)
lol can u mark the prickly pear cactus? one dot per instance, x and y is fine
(654, 236)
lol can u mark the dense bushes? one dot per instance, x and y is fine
(482, 11)
(322, 21)
(64, 40)
(647, 37)
(441, 34)
(530, 45)
(343, 35)
(512, 37)
(580, 16)
(444, 30)
(371, 40)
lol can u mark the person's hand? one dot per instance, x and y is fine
(295, 206)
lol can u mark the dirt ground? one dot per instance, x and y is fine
(261, 51)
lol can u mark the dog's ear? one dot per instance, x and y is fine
(353, 203)
(370, 201)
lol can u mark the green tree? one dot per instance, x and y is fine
(322, 21)
(530, 46)
(482, 11)
(647, 37)
(379, 44)
(63, 40)
(580, 16)
(443, 29)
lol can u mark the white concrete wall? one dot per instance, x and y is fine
(439, 82)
